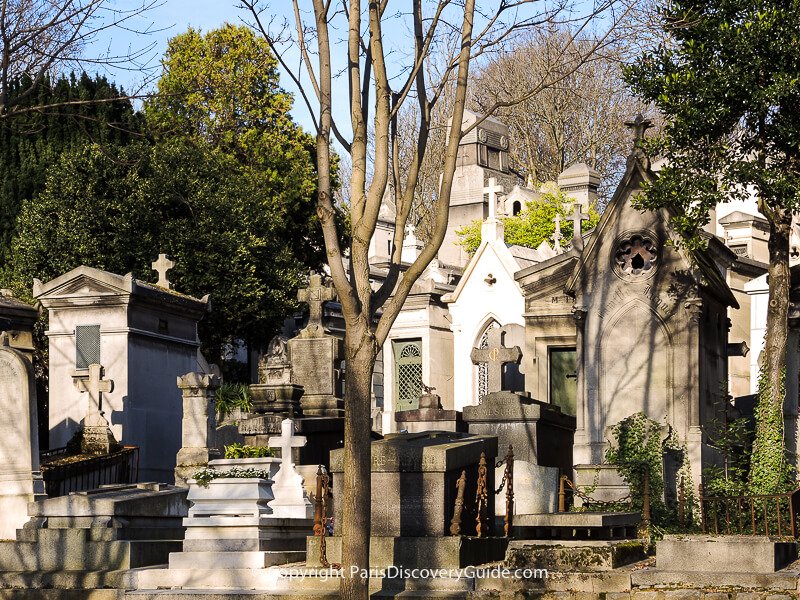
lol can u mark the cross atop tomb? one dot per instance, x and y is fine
(286, 441)
(315, 295)
(577, 217)
(493, 189)
(95, 386)
(638, 126)
(496, 356)
(162, 265)
(557, 237)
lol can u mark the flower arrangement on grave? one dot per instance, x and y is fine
(237, 450)
(204, 476)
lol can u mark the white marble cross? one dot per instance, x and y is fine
(162, 265)
(286, 441)
(493, 189)
(95, 386)
(556, 237)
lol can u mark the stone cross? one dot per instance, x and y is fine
(286, 441)
(162, 265)
(96, 386)
(577, 217)
(557, 237)
(492, 190)
(495, 355)
(315, 295)
(638, 126)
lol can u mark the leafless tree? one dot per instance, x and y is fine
(380, 81)
(41, 37)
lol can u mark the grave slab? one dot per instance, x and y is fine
(574, 556)
(724, 553)
(577, 526)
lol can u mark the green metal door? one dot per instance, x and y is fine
(563, 379)
(407, 373)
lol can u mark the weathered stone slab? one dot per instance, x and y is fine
(724, 554)
(577, 526)
(576, 556)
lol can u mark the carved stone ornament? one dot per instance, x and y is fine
(482, 136)
(503, 142)
(636, 256)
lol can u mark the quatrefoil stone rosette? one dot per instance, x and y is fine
(636, 255)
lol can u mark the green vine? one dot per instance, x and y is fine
(204, 476)
(770, 472)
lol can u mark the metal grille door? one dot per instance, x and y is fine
(408, 374)
(87, 346)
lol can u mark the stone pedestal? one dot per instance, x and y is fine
(539, 432)
(282, 399)
(429, 417)
(314, 361)
(198, 424)
(535, 489)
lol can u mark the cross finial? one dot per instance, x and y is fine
(315, 295)
(557, 237)
(493, 189)
(638, 126)
(95, 386)
(162, 265)
(577, 217)
(496, 356)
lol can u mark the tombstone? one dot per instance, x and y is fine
(145, 336)
(97, 437)
(291, 501)
(414, 479)
(20, 479)
(275, 391)
(539, 433)
(315, 355)
(198, 425)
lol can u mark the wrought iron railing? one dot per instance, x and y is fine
(774, 514)
(87, 474)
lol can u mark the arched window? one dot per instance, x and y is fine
(516, 207)
(483, 369)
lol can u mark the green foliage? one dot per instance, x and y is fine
(533, 225)
(230, 396)
(31, 142)
(729, 87)
(204, 476)
(770, 471)
(237, 450)
(637, 450)
(733, 440)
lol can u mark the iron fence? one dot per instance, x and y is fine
(87, 474)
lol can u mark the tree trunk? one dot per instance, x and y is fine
(360, 354)
(768, 459)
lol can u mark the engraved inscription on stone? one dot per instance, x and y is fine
(312, 365)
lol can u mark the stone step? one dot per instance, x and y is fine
(233, 560)
(74, 553)
(63, 580)
(57, 594)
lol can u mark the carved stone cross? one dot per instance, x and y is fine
(162, 265)
(286, 441)
(95, 386)
(577, 217)
(638, 126)
(315, 295)
(496, 356)
(493, 189)
(557, 237)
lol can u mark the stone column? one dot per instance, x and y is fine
(694, 432)
(790, 404)
(199, 424)
(582, 444)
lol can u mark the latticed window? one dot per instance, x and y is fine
(87, 346)
(483, 368)
(408, 374)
